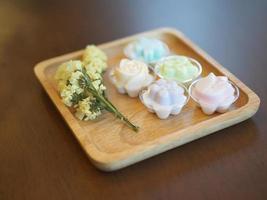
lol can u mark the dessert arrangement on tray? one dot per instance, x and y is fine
(160, 89)
(81, 87)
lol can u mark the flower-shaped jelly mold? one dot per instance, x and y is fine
(214, 93)
(130, 77)
(179, 68)
(164, 97)
(148, 50)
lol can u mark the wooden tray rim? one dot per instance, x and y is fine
(113, 161)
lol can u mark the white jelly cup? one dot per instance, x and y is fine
(193, 84)
(186, 93)
(130, 53)
(122, 90)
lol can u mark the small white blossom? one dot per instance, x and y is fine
(92, 72)
(102, 87)
(98, 85)
(98, 65)
(94, 57)
(65, 70)
(74, 82)
(85, 111)
(66, 94)
(93, 52)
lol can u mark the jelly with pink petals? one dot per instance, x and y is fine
(213, 93)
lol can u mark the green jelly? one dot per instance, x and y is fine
(179, 68)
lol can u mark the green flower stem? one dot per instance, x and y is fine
(111, 108)
(106, 103)
(122, 117)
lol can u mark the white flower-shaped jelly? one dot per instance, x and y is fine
(164, 97)
(148, 50)
(130, 77)
(214, 93)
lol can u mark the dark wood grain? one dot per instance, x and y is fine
(40, 158)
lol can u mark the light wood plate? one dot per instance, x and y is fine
(110, 144)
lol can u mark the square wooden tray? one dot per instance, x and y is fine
(110, 144)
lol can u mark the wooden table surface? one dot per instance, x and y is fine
(40, 158)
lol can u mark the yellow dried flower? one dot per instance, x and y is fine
(64, 72)
(66, 95)
(81, 86)
(94, 58)
(93, 73)
(86, 110)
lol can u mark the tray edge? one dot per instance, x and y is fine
(102, 160)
